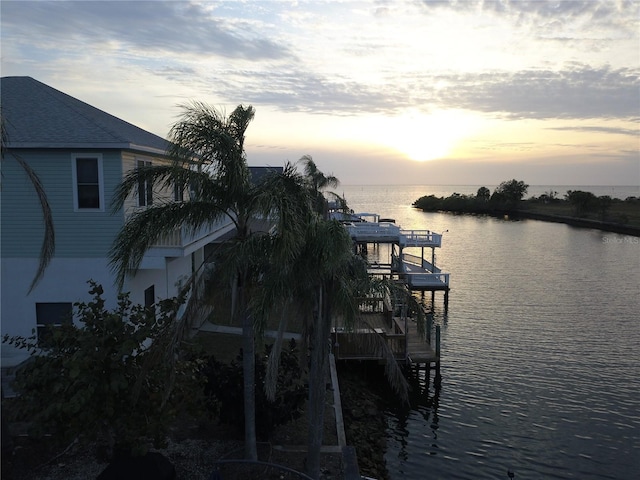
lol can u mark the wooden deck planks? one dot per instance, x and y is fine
(418, 350)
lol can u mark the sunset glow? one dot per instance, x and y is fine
(376, 92)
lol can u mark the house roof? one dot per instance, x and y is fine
(258, 174)
(39, 116)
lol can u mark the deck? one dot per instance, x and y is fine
(419, 278)
(386, 232)
(367, 339)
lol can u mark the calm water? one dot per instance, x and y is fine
(541, 348)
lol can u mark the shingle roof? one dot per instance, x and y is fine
(39, 116)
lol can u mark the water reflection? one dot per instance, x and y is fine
(541, 370)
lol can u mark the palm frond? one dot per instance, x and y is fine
(205, 136)
(49, 239)
(48, 246)
(377, 344)
(144, 228)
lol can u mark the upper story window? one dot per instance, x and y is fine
(145, 188)
(88, 192)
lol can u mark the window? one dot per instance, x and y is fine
(49, 315)
(177, 193)
(145, 191)
(150, 297)
(87, 180)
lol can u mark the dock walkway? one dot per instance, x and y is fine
(360, 343)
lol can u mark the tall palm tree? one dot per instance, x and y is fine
(340, 279)
(317, 181)
(49, 239)
(324, 281)
(209, 160)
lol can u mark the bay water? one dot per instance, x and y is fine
(540, 347)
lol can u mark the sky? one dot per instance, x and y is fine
(451, 92)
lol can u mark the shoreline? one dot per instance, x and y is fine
(579, 222)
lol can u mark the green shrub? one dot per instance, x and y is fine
(223, 391)
(108, 379)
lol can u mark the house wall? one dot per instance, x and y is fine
(166, 281)
(83, 240)
(65, 280)
(84, 234)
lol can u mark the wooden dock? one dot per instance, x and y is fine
(367, 340)
(417, 272)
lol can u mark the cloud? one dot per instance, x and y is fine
(549, 18)
(600, 129)
(183, 27)
(578, 92)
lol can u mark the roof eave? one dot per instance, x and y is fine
(85, 146)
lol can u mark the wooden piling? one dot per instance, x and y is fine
(438, 378)
(446, 300)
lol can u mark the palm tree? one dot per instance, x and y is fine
(340, 279)
(324, 281)
(49, 239)
(317, 181)
(209, 159)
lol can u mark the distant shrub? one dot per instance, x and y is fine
(582, 202)
(429, 203)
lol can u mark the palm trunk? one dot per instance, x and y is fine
(248, 373)
(317, 383)
(271, 375)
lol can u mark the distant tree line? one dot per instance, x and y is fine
(508, 198)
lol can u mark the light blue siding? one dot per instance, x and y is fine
(79, 234)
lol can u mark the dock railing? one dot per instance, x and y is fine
(427, 279)
(420, 262)
(366, 230)
(420, 238)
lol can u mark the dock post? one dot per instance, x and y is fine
(446, 300)
(438, 378)
(429, 322)
(427, 376)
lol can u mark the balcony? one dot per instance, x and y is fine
(182, 242)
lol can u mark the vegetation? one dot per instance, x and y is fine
(106, 379)
(210, 163)
(508, 199)
(223, 391)
(324, 279)
(509, 193)
(306, 266)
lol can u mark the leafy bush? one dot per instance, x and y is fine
(108, 380)
(223, 391)
(582, 202)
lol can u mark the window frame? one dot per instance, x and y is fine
(74, 174)
(145, 189)
(63, 319)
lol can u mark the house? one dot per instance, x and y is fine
(80, 154)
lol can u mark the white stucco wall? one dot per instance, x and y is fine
(65, 280)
